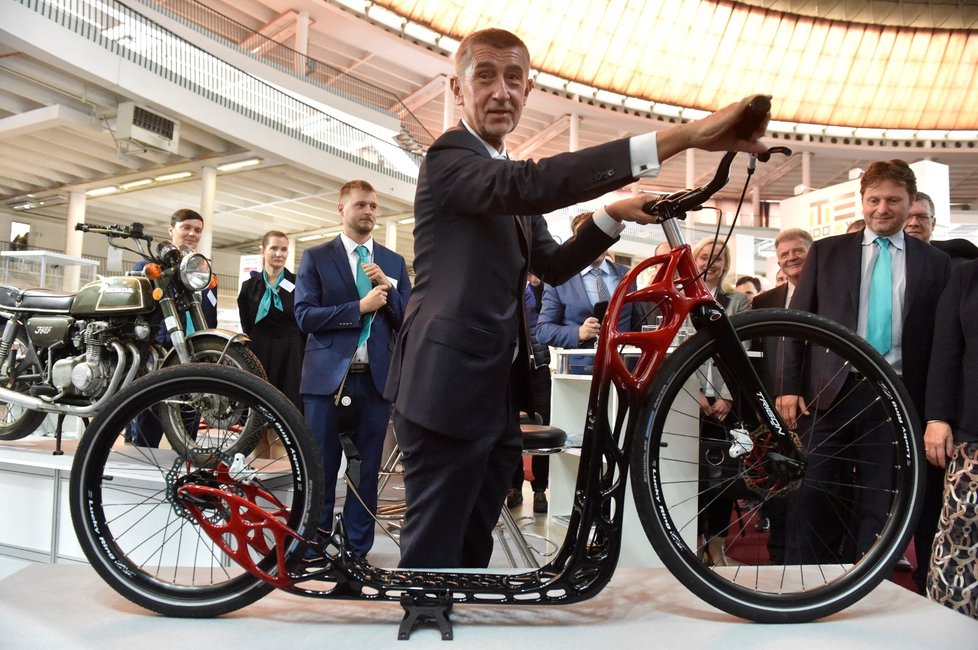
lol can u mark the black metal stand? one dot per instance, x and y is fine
(57, 436)
(426, 607)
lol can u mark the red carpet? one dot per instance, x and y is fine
(750, 547)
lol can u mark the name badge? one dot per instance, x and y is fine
(285, 284)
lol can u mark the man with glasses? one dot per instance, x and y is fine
(920, 224)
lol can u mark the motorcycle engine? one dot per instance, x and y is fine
(84, 374)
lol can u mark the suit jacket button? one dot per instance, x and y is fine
(611, 172)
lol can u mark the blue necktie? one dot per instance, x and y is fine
(879, 318)
(363, 288)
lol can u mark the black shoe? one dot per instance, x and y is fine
(514, 498)
(763, 525)
(539, 501)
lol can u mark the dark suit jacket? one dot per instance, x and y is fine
(250, 295)
(566, 306)
(327, 308)
(952, 384)
(829, 286)
(772, 298)
(473, 247)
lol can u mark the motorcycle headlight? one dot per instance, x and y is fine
(195, 272)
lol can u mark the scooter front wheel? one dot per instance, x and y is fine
(133, 518)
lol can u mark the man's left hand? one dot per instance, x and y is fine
(376, 276)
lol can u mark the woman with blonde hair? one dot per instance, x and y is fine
(712, 259)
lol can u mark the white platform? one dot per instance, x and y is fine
(64, 606)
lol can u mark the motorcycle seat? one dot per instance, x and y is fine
(35, 299)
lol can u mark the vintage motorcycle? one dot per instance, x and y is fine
(66, 353)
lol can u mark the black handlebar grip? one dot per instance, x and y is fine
(81, 226)
(754, 116)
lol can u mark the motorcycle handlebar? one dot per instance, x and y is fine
(135, 231)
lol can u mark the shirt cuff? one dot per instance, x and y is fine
(607, 224)
(644, 154)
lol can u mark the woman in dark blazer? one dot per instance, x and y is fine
(266, 306)
(951, 440)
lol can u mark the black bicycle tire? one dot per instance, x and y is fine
(662, 532)
(242, 358)
(30, 420)
(89, 471)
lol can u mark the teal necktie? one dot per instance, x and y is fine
(363, 288)
(879, 318)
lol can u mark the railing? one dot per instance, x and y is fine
(203, 19)
(24, 274)
(135, 38)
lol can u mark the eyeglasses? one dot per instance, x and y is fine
(920, 216)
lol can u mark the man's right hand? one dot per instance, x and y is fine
(790, 408)
(374, 300)
(589, 329)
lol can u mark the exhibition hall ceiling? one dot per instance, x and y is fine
(56, 130)
(870, 70)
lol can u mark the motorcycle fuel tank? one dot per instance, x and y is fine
(115, 295)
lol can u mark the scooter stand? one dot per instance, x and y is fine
(426, 607)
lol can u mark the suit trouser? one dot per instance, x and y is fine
(454, 489)
(371, 416)
(930, 513)
(844, 498)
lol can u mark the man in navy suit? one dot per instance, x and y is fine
(350, 298)
(835, 282)
(567, 316)
(460, 372)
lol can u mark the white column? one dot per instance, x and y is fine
(390, 235)
(208, 192)
(448, 112)
(301, 41)
(574, 135)
(290, 258)
(755, 206)
(73, 240)
(689, 224)
(806, 170)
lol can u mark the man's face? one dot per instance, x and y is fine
(359, 212)
(780, 278)
(920, 221)
(187, 233)
(791, 258)
(747, 288)
(275, 252)
(492, 91)
(885, 207)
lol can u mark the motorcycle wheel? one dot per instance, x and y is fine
(17, 422)
(241, 430)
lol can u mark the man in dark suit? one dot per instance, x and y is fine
(567, 316)
(836, 283)
(791, 247)
(185, 229)
(350, 298)
(459, 375)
